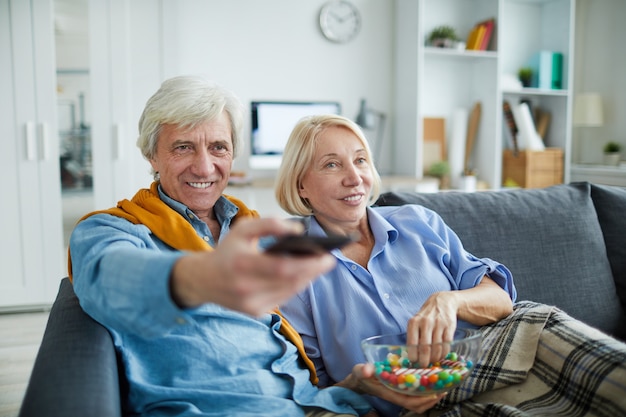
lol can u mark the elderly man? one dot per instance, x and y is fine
(176, 276)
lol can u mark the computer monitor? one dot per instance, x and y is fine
(272, 123)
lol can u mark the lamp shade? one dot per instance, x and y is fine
(588, 110)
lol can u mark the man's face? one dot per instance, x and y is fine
(194, 165)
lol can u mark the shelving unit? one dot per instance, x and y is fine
(434, 82)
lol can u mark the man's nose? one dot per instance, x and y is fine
(203, 163)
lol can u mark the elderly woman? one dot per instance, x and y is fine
(408, 272)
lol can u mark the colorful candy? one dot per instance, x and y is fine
(397, 372)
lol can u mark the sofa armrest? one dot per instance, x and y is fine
(610, 202)
(75, 371)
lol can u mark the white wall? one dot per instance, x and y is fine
(601, 67)
(274, 50)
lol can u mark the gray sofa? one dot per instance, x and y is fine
(566, 246)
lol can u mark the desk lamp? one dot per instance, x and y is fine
(372, 119)
(588, 113)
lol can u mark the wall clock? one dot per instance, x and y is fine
(340, 21)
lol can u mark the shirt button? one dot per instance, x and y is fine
(180, 320)
(206, 238)
(353, 267)
(386, 296)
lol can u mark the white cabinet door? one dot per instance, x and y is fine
(31, 250)
(126, 66)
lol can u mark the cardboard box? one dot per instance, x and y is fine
(533, 169)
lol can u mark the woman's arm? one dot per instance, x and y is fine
(436, 321)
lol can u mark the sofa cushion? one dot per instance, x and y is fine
(610, 203)
(549, 238)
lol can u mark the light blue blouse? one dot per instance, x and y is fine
(208, 361)
(415, 254)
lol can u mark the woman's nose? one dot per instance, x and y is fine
(353, 176)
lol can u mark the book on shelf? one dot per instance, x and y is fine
(488, 24)
(471, 39)
(547, 70)
(510, 128)
(521, 130)
(542, 122)
(557, 70)
(480, 36)
(527, 137)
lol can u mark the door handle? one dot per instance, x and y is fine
(118, 150)
(30, 141)
(44, 141)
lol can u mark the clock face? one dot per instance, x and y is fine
(340, 21)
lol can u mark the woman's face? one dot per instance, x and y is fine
(194, 165)
(339, 180)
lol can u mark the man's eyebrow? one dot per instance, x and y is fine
(178, 142)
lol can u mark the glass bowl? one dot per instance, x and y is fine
(423, 369)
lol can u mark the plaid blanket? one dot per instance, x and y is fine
(541, 362)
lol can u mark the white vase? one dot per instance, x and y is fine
(611, 158)
(467, 183)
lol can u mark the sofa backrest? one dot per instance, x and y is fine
(550, 239)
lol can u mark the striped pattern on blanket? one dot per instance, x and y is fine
(539, 361)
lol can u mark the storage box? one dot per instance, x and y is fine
(533, 169)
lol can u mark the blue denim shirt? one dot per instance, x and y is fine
(206, 361)
(415, 254)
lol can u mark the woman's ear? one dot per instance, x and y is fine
(301, 191)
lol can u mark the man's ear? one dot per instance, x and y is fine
(154, 165)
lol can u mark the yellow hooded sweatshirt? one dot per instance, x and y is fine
(168, 225)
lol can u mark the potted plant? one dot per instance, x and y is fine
(443, 37)
(440, 170)
(525, 75)
(612, 153)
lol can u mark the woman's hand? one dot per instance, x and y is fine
(436, 321)
(363, 381)
(431, 328)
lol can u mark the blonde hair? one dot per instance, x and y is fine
(187, 101)
(298, 157)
